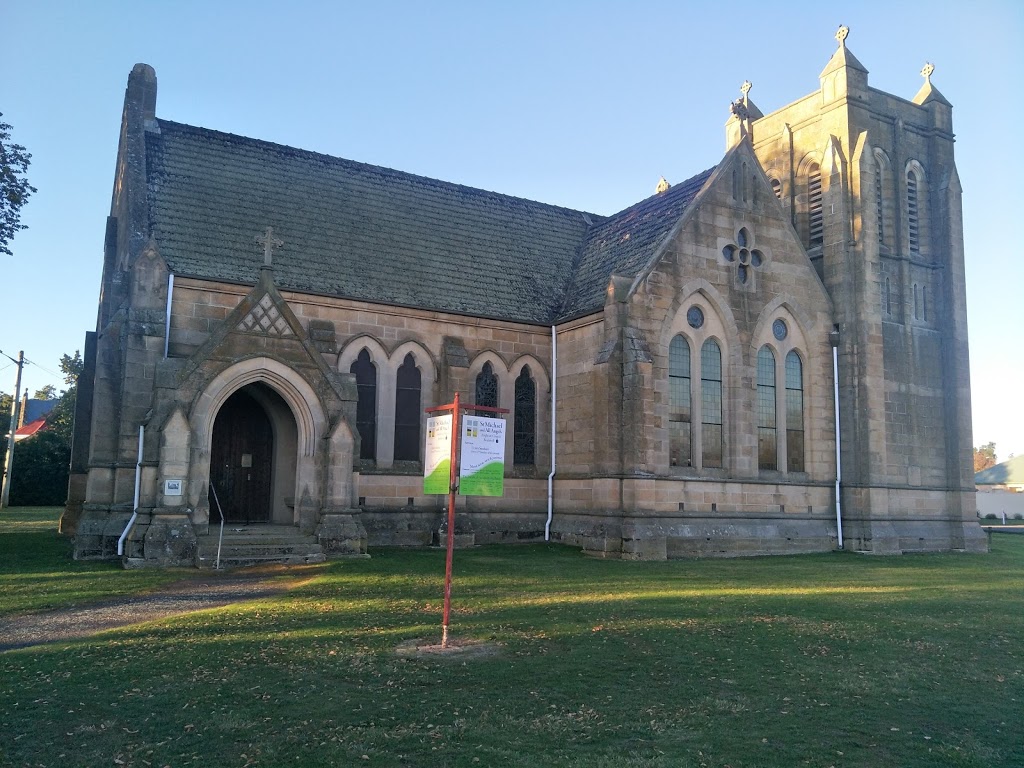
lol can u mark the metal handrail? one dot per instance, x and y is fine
(216, 565)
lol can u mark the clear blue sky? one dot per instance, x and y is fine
(582, 104)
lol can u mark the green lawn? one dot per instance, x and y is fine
(820, 660)
(37, 572)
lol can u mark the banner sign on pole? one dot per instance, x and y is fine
(482, 460)
(437, 464)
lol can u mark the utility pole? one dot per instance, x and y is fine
(15, 410)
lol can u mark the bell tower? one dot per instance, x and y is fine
(871, 187)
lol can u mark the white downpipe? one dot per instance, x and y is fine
(135, 503)
(554, 391)
(167, 323)
(839, 464)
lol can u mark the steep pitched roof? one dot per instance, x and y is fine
(354, 230)
(625, 242)
(1009, 472)
(364, 232)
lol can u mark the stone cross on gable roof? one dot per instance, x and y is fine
(926, 72)
(269, 242)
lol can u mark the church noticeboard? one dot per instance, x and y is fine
(437, 464)
(482, 461)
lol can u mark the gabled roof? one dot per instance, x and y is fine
(29, 428)
(1010, 472)
(369, 233)
(624, 243)
(354, 230)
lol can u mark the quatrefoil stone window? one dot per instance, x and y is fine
(743, 255)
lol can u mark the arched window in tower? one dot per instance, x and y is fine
(767, 437)
(524, 440)
(916, 304)
(407, 411)
(777, 188)
(679, 403)
(887, 297)
(795, 412)
(487, 387)
(815, 220)
(366, 404)
(712, 439)
(913, 220)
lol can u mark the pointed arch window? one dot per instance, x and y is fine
(795, 412)
(776, 188)
(887, 297)
(407, 411)
(487, 387)
(524, 440)
(815, 220)
(767, 435)
(366, 404)
(913, 221)
(711, 404)
(679, 403)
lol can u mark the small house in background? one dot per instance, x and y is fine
(1001, 489)
(32, 417)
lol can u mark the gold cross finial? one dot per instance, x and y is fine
(926, 72)
(842, 34)
(269, 242)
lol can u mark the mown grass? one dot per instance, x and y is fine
(37, 572)
(822, 660)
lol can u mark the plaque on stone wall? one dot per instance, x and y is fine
(172, 487)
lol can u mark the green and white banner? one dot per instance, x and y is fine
(482, 462)
(437, 462)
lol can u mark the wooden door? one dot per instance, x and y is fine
(241, 461)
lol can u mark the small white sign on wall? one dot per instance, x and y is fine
(172, 487)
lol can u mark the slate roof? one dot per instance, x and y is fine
(1009, 472)
(364, 232)
(624, 243)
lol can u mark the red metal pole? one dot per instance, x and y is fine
(451, 523)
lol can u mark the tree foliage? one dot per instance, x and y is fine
(14, 187)
(984, 457)
(41, 462)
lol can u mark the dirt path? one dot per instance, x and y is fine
(178, 598)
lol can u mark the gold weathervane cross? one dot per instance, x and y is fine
(269, 243)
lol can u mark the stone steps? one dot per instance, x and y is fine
(257, 545)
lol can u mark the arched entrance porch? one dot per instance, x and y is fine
(253, 457)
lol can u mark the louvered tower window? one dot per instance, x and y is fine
(878, 207)
(767, 446)
(913, 222)
(777, 188)
(366, 404)
(816, 224)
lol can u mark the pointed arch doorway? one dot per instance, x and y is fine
(253, 458)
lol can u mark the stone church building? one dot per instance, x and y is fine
(273, 322)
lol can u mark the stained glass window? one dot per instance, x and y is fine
(711, 404)
(524, 442)
(795, 412)
(487, 387)
(366, 405)
(767, 445)
(679, 402)
(407, 411)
